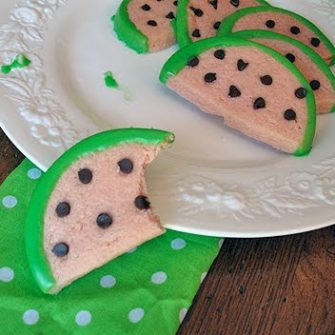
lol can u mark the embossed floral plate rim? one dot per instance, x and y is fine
(199, 203)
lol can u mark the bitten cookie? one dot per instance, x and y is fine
(146, 25)
(284, 22)
(311, 65)
(257, 90)
(92, 206)
(199, 19)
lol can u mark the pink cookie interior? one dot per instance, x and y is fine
(160, 36)
(325, 95)
(267, 124)
(110, 191)
(205, 23)
(283, 25)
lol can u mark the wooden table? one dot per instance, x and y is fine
(274, 286)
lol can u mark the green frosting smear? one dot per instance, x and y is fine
(110, 81)
(314, 56)
(19, 62)
(38, 261)
(227, 26)
(181, 25)
(179, 60)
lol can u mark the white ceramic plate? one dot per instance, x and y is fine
(213, 181)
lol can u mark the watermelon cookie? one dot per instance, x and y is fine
(284, 22)
(145, 25)
(257, 90)
(198, 19)
(92, 206)
(311, 65)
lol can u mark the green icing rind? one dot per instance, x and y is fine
(35, 218)
(179, 60)
(228, 24)
(182, 32)
(183, 37)
(313, 55)
(127, 31)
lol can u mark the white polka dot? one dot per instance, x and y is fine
(83, 318)
(221, 242)
(159, 277)
(9, 201)
(136, 315)
(182, 314)
(107, 281)
(30, 317)
(34, 173)
(132, 250)
(178, 244)
(203, 276)
(6, 274)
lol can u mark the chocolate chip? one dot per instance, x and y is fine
(241, 65)
(235, 3)
(315, 42)
(170, 16)
(290, 57)
(315, 85)
(301, 93)
(259, 103)
(104, 220)
(63, 209)
(266, 80)
(175, 3)
(220, 54)
(193, 62)
(142, 202)
(126, 165)
(152, 23)
(270, 24)
(85, 176)
(196, 33)
(295, 30)
(146, 7)
(234, 92)
(214, 3)
(290, 115)
(210, 77)
(60, 249)
(197, 11)
(217, 25)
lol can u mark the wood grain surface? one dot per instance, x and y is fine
(10, 157)
(273, 286)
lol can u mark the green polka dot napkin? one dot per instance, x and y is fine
(146, 291)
